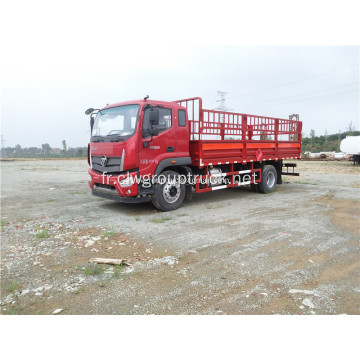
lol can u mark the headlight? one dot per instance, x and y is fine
(90, 178)
(127, 182)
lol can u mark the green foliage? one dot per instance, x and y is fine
(161, 220)
(45, 151)
(117, 271)
(109, 233)
(94, 269)
(12, 310)
(326, 142)
(79, 290)
(13, 286)
(41, 233)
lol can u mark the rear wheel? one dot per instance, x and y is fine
(268, 179)
(169, 192)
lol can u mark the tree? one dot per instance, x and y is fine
(339, 135)
(46, 148)
(326, 146)
(350, 129)
(64, 146)
(312, 136)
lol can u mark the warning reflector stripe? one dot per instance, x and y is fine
(231, 185)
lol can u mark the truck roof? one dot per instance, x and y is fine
(142, 102)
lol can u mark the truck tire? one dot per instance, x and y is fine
(268, 179)
(169, 193)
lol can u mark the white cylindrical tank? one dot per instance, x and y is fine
(350, 145)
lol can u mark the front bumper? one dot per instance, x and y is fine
(108, 187)
(113, 195)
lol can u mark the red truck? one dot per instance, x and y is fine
(161, 151)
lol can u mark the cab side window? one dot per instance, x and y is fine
(182, 118)
(165, 121)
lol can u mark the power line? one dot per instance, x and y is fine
(313, 97)
(288, 97)
(303, 68)
(295, 82)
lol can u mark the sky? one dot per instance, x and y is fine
(62, 64)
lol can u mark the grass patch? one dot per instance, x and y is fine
(161, 220)
(109, 233)
(182, 258)
(79, 290)
(37, 313)
(137, 218)
(41, 233)
(304, 183)
(117, 271)
(211, 206)
(13, 286)
(12, 310)
(3, 222)
(94, 269)
(50, 200)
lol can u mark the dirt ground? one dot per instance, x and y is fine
(294, 251)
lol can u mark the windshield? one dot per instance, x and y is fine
(116, 121)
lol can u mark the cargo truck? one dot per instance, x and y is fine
(148, 150)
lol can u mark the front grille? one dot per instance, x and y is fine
(112, 164)
(105, 186)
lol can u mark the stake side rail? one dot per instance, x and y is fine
(220, 137)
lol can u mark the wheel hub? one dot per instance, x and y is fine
(171, 191)
(270, 180)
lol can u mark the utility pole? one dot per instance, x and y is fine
(221, 101)
(222, 107)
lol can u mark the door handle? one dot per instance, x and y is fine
(170, 149)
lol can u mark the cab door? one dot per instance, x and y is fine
(153, 150)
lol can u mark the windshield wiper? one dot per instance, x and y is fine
(118, 139)
(97, 138)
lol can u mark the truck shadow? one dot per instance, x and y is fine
(213, 199)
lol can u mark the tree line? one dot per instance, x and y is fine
(326, 142)
(46, 151)
(312, 143)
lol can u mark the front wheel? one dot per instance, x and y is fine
(169, 191)
(268, 179)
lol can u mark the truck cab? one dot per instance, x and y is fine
(135, 139)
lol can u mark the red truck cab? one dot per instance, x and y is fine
(122, 146)
(145, 150)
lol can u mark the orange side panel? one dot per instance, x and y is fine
(260, 145)
(219, 146)
(288, 145)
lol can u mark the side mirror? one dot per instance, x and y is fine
(154, 117)
(153, 132)
(89, 111)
